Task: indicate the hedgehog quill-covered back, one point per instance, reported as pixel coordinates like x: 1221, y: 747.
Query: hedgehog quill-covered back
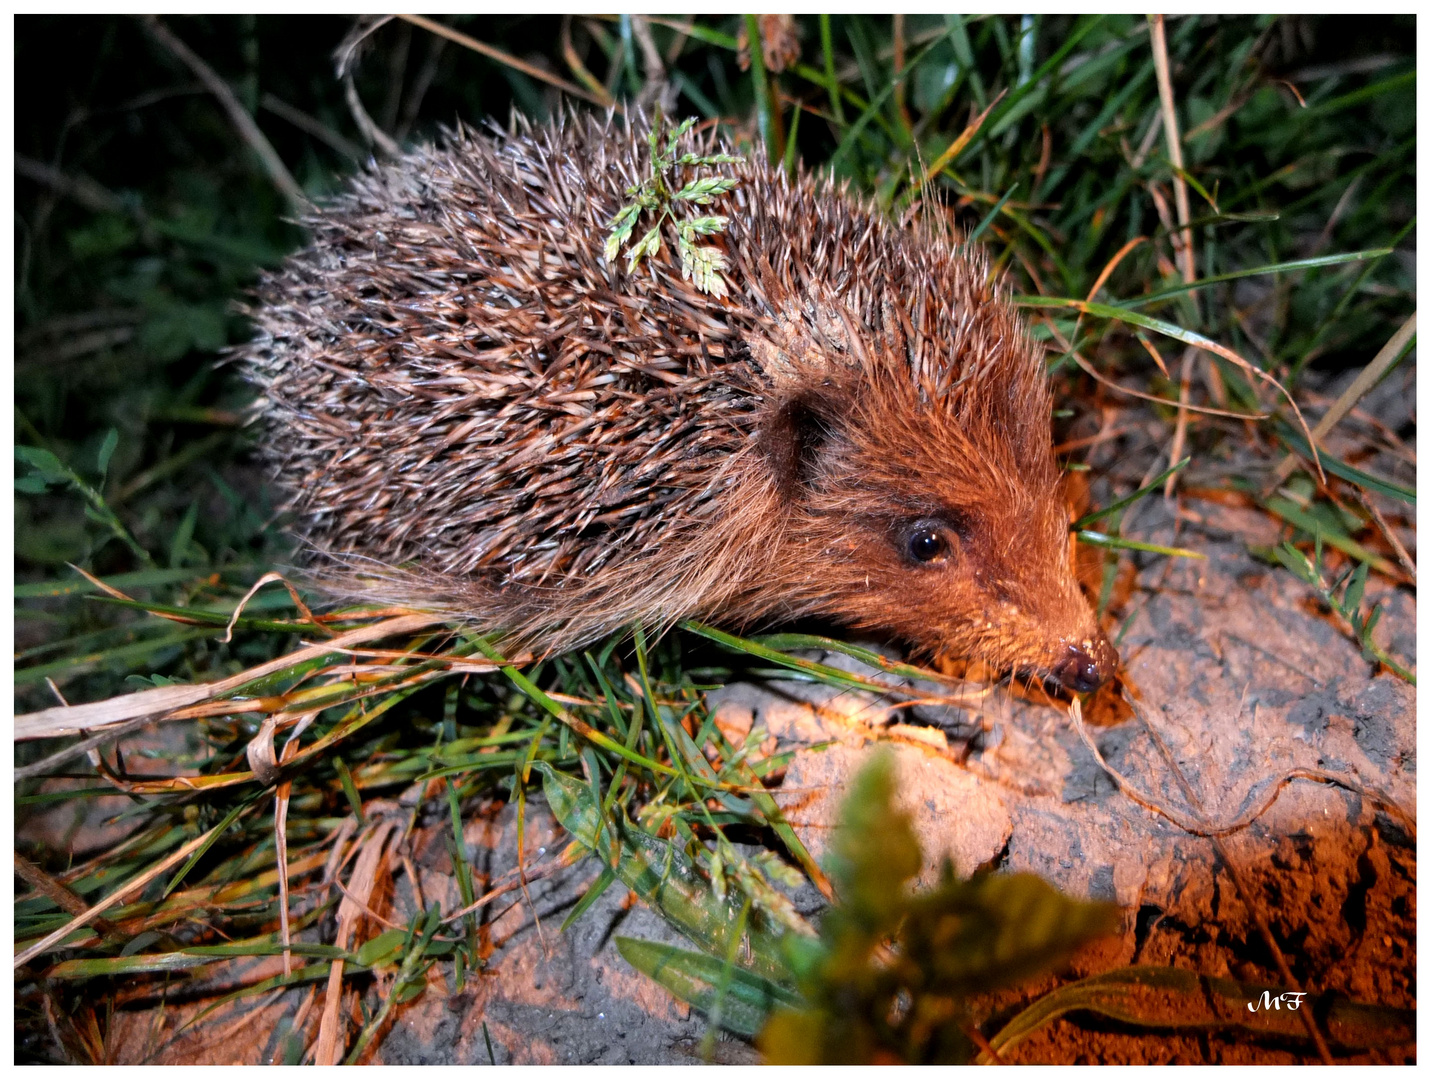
x: 475, y: 411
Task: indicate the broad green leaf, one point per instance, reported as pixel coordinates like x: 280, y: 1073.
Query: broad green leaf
x: 661, y: 874
x: 45, y: 463
x: 874, y: 851
x: 694, y: 978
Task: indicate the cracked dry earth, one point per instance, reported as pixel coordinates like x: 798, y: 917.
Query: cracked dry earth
x: 1239, y: 676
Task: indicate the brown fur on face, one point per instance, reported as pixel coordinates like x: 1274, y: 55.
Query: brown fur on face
x: 868, y: 463
x: 473, y: 410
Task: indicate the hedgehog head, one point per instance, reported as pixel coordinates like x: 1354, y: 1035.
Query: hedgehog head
x: 932, y: 508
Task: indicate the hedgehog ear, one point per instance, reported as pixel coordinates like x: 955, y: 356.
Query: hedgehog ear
x: 792, y: 436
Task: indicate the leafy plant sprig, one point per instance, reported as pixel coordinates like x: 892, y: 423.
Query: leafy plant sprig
x: 1350, y: 585
x: 661, y: 194
x: 47, y: 471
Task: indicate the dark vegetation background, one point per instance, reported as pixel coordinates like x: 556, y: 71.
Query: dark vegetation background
x: 142, y: 217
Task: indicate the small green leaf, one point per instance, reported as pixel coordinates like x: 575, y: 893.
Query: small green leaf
x: 1371, y: 621
x: 44, y: 462
x: 383, y: 949
x: 678, y: 132
x: 411, y: 990
x: 1295, y: 561
x: 350, y: 789
x: 1321, y: 530
x: 660, y: 873
x: 106, y: 451
x: 693, y: 228
x: 625, y: 216
x: 621, y: 226
x: 710, y: 159
x: 1352, y: 597
x: 34, y: 484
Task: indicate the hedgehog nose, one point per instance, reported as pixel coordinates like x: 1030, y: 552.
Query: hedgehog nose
x: 1086, y: 666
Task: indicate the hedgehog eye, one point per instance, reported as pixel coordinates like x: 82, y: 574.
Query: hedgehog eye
x: 927, y: 544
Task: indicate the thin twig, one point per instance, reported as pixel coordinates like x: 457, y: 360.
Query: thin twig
x: 420, y: 85
x: 312, y: 125
x: 132, y: 885
x: 243, y: 123
x: 1182, y: 238
x: 1174, y: 144
x: 83, y: 190
x: 504, y: 58
x: 375, y: 135
x: 1401, y: 554
x: 63, y: 897
x: 579, y: 69
x: 144, y: 705
x: 567, y: 858
x: 1369, y: 377
x: 350, y: 911
x: 1180, y: 429
x: 1206, y: 410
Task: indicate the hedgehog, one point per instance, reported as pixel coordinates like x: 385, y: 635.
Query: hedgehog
x: 474, y: 409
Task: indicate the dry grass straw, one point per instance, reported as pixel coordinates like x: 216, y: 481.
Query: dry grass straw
x: 374, y: 851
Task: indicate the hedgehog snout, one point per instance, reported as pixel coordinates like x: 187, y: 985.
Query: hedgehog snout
x: 1085, y: 665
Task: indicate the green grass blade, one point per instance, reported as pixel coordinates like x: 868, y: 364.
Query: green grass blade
x: 218, y: 832
x: 1288, y: 267
x: 1089, y: 519
x: 1098, y: 539
x: 1315, y: 527
x: 990, y: 216
x: 1347, y: 472
x: 139, y: 579
x: 592, y: 894
x: 876, y: 104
